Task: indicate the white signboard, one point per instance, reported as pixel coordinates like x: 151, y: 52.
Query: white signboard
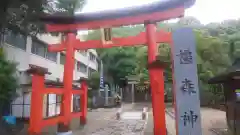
x: 186, y: 82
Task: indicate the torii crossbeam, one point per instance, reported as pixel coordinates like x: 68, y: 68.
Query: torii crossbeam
x: 140, y: 39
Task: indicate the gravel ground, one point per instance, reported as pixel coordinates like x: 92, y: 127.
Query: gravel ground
x: 103, y: 122
x: 122, y: 127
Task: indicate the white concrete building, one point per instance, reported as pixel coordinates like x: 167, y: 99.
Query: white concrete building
x: 27, y: 50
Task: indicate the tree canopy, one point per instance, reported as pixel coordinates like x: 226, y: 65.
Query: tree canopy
x: 22, y: 15
x: 8, y: 81
x: 217, y: 47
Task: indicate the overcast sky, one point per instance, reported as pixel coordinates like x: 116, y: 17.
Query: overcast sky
x: 205, y: 10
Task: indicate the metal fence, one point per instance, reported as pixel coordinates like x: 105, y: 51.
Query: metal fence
x: 51, y: 109
x: 100, y: 102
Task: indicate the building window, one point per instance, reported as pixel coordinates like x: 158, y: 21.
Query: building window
x: 92, y: 57
x: 62, y: 58
x: 90, y: 71
x: 58, y: 104
x: 52, y: 56
x: 58, y: 98
x: 83, y: 52
x: 81, y: 67
x: 39, y: 48
x: 16, y: 39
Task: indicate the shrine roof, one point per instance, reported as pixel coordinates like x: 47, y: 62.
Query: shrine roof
x: 228, y: 74
x: 34, y: 69
x: 159, y: 6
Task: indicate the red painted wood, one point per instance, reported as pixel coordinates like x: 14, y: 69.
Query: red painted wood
x: 140, y: 39
x: 157, y: 84
x: 76, y: 114
x: 79, y: 92
x: 53, y: 91
x: 150, y: 38
x: 51, y: 121
x: 36, y: 115
x: 83, y: 103
x: 56, y: 47
x: 68, y: 78
x: 38, y: 90
x: 139, y: 19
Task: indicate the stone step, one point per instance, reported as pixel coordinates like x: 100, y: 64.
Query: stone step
x: 131, y: 115
x: 170, y: 124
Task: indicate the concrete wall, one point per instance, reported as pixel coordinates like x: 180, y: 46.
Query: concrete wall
x: 25, y: 57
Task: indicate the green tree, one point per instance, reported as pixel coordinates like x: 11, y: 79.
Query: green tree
x: 8, y: 81
x: 70, y: 6
x: 141, y: 70
x: 23, y: 15
x: 118, y: 62
x: 217, y: 46
x: 94, y: 81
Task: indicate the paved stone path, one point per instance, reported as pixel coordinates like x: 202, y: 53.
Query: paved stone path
x: 170, y: 124
x: 122, y: 127
x: 103, y: 122
x: 131, y: 115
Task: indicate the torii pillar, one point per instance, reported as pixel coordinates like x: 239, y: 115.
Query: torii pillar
x: 157, y: 68
x: 64, y: 127
x: 157, y: 81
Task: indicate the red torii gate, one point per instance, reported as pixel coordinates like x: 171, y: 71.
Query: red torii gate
x: 37, y: 122
x: 156, y: 76
x: 69, y: 46
x: 148, y: 15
